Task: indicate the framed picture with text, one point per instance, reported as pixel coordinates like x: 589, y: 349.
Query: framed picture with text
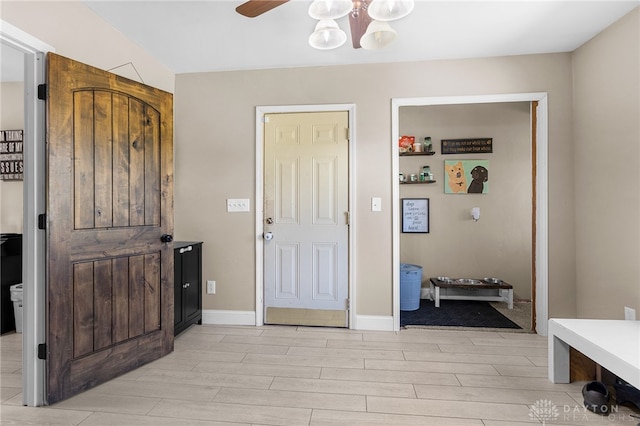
x: 11, y: 151
x: 415, y: 215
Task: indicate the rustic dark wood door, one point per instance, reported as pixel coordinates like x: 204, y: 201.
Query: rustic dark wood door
x: 109, y: 201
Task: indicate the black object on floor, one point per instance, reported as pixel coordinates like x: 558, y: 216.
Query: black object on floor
x: 625, y: 393
x: 596, y: 397
x: 456, y: 313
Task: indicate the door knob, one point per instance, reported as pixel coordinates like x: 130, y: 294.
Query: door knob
x: 166, y: 238
x: 268, y: 236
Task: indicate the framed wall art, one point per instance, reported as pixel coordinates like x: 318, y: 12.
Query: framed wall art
x: 466, y: 176
x: 415, y: 215
x: 11, y: 161
x: 467, y: 146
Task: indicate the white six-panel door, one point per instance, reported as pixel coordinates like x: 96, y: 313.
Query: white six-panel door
x: 306, y: 213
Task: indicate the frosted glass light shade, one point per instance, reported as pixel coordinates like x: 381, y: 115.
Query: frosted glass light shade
x: 389, y: 10
x: 330, y: 9
x: 327, y: 35
x: 379, y: 35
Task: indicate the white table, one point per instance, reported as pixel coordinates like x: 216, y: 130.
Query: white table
x: 613, y: 344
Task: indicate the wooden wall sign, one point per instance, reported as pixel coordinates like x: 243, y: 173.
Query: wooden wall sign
x: 467, y: 146
x: 11, y: 160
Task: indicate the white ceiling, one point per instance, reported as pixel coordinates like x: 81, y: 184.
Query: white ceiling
x: 205, y: 35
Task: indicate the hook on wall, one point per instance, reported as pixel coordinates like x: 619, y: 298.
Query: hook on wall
x: 475, y: 213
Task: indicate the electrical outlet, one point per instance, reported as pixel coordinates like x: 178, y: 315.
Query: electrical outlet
x: 211, y: 287
x: 238, y: 205
x: 629, y: 313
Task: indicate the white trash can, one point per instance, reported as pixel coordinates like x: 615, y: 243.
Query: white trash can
x: 16, y: 298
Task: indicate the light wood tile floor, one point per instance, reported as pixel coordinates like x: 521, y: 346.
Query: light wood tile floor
x: 236, y: 375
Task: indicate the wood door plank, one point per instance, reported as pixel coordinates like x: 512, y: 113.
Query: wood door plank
x: 103, y: 159
x: 94, y: 369
x: 102, y: 304
x: 120, y: 241
x: 60, y: 224
x: 152, y: 167
x: 136, y: 295
x: 83, y: 160
x: 152, y: 292
x: 83, y: 309
x: 136, y: 163
x: 120, y: 160
x: 120, y: 299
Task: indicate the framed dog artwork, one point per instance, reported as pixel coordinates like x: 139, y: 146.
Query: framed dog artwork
x: 466, y: 176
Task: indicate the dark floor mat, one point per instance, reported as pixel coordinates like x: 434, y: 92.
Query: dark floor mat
x: 456, y: 313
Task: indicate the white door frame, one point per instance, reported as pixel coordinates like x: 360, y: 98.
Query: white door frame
x: 260, y: 113
x: 542, y: 207
x: 33, y: 239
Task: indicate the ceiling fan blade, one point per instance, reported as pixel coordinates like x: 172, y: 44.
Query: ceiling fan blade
x: 253, y: 8
x: 358, y: 24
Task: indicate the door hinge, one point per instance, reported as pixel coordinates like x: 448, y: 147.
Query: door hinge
x: 347, y: 133
x: 42, y: 351
x: 348, y: 303
x: 348, y: 218
x: 42, y: 221
x: 42, y: 92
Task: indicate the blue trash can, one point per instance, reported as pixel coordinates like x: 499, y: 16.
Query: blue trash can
x: 410, y: 285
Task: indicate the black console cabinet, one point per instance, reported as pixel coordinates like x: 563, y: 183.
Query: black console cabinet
x: 188, y: 285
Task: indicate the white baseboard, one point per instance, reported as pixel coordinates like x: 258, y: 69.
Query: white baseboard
x: 374, y: 323
x: 218, y: 317
x: 214, y: 316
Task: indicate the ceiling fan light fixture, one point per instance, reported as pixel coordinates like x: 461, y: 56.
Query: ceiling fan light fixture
x: 327, y: 35
x: 379, y: 35
x: 390, y: 10
x: 330, y: 9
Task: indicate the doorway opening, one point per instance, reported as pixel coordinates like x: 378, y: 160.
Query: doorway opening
x: 538, y: 244
x: 266, y: 219
x: 33, y: 204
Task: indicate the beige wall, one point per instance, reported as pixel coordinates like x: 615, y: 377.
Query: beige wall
x: 607, y: 170
x: 76, y: 32
x: 215, y: 151
x: 499, y: 244
x: 215, y: 156
x: 11, y: 118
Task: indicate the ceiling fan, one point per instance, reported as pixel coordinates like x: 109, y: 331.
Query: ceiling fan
x: 358, y: 17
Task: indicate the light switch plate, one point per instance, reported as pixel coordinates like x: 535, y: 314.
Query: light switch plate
x: 238, y: 205
x: 376, y: 204
x: 629, y: 313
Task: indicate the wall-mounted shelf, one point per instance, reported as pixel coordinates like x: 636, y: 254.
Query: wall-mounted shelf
x: 409, y: 154
x: 411, y: 183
